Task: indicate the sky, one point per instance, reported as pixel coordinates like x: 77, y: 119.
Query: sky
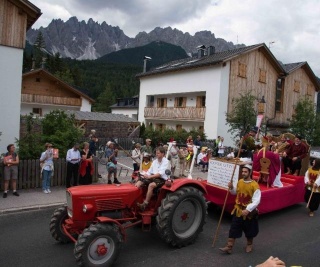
x: 291, y: 28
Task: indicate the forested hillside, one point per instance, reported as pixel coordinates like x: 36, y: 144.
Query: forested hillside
x: 104, y: 79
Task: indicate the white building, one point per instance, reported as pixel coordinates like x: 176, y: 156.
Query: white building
x: 198, y: 92
x: 16, y: 17
x: 127, y: 106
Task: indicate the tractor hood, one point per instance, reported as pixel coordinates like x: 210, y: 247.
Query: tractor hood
x: 102, y: 190
x: 102, y: 197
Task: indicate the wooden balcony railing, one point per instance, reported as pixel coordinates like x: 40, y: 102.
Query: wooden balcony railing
x: 53, y: 100
x: 188, y: 113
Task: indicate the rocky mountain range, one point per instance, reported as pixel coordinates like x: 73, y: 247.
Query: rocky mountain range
x: 91, y: 40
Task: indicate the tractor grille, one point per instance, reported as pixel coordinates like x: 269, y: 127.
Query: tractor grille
x: 109, y: 204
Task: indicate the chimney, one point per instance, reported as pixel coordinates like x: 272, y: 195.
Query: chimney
x: 201, y: 49
x: 145, y: 59
x: 211, y: 50
x: 33, y: 64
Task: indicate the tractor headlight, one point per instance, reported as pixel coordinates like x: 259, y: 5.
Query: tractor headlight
x: 69, y: 204
x: 86, y: 208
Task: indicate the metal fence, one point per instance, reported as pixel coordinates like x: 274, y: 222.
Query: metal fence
x: 29, y: 175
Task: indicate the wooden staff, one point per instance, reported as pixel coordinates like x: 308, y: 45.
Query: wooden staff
x: 225, y: 200
x: 310, y: 198
x: 125, y: 151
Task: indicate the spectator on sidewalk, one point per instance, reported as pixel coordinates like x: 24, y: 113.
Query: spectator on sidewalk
x: 183, y: 153
x: 86, y: 150
x: 73, y: 159
x: 147, y: 147
x: 198, y: 142
x: 46, y: 164
x: 135, y: 155
x: 11, y: 162
x: 174, y: 157
x: 221, y: 148
x: 93, y: 145
x: 86, y: 169
x: 111, y: 154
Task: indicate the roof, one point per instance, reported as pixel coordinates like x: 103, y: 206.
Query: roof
x: 32, y: 11
x: 216, y: 58
x: 291, y: 67
x: 99, y: 116
x: 71, y: 88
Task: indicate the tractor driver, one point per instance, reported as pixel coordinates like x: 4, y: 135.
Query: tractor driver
x: 155, y: 176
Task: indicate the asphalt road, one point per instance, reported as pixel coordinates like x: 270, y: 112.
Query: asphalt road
x: 290, y: 234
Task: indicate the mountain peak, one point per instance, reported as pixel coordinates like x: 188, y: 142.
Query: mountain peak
x: 91, y: 40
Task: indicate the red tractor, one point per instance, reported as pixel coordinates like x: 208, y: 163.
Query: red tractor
x: 96, y: 217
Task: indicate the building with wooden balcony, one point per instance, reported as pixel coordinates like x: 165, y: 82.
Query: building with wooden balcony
x: 42, y: 92
x: 197, y: 92
x: 16, y: 17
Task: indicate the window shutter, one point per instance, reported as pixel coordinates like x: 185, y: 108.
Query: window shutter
x: 164, y: 102
x: 199, y: 100
x: 184, y: 102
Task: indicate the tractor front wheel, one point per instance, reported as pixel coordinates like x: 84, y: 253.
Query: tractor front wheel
x: 181, y: 216
x: 57, y: 220
x: 98, y: 245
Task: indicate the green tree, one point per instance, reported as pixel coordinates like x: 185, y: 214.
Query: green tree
x: 242, y: 116
x: 30, y: 145
x: 306, y: 122
x: 56, y: 127
x: 65, y: 75
x: 38, y: 47
x: 60, y: 129
x: 105, y: 100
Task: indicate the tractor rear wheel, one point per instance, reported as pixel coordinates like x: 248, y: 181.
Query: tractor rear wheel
x: 98, y: 245
x: 181, y: 216
x: 57, y: 220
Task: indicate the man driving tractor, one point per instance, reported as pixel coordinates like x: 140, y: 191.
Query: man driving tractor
x: 155, y: 176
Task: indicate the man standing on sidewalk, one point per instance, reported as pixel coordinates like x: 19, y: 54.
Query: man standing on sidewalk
x: 73, y: 160
x: 245, y: 214
x: 11, y: 162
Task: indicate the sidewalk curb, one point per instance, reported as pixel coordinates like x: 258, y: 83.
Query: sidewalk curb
x: 32, y: 208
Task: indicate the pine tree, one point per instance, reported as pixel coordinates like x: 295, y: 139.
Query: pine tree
x: 306, y: 122
x: 105, y: 100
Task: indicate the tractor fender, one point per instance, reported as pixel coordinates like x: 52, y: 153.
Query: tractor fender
x: 112, y: 221
x: 178, y: 183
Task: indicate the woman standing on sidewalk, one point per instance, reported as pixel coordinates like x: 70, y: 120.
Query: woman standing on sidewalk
x: 46, y: 163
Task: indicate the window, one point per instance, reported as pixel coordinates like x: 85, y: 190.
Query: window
x: 279, y: 95
x: 180, y: 102
x: 201, y: 129
x: 178, y: 127
x: 160, y: 126
x: 309, y: 89
x: 242, y: 70
x: 201, y: 101
x: 161, y: 102
x: 263, y: 76
x: 37, y: 111
x: 296, y: 86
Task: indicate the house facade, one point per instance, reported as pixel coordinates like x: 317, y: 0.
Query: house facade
x: 42, y: 92
x: 16, y: 17
x: 127, y: 106
x: 198, y: 92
